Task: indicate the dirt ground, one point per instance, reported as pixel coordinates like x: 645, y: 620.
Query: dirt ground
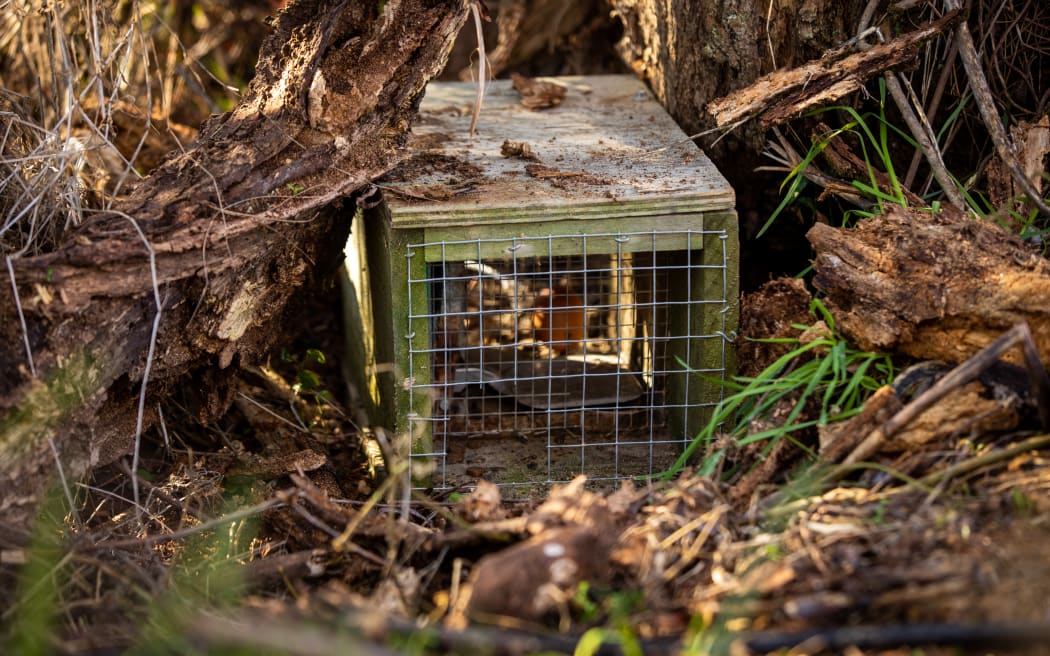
x: 270, y: 521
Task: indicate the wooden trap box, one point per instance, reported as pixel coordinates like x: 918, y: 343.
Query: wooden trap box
x: 550, y: 297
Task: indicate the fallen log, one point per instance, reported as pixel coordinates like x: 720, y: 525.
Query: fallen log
x: 192, y: 272
x: 932, y: 286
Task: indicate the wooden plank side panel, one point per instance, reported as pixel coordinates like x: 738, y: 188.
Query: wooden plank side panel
x: 410, y: 301
x: 380, y: 261
x: 358, y: 321
x: 712, y: 325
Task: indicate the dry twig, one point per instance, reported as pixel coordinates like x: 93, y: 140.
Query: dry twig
x: 916, y: 120
x: 964, y: 373
x: 983, y: 96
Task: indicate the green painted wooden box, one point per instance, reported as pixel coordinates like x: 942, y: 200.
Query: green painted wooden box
x: 547, y: 297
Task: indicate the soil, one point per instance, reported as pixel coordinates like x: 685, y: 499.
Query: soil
x: 759, y: 569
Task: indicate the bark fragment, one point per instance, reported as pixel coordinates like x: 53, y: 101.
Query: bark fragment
x: 786, y: 93
x: 937, y: 287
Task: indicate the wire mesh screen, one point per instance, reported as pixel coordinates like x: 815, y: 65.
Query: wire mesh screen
x: 547, y: 357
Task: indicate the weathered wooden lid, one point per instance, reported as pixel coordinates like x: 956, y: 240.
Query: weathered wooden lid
x: 607, y: 150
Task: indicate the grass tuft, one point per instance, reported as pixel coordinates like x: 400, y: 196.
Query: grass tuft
x: 821, y: 371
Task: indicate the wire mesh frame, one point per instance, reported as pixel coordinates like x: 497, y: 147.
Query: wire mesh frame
x: 528, y: 352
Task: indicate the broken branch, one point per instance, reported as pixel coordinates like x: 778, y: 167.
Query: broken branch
x: 781, y: 95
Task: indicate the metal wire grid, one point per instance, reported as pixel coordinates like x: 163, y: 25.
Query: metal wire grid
x: 556, y: 365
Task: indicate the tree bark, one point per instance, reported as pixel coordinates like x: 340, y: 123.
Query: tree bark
x: 935, y: 287
x: 787, y: 93
x: 694, y: 51
x: 235, y: 228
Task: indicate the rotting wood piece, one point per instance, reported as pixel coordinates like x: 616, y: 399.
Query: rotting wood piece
x: 783, y: 94
x: 877, y: 429
x: 573, y: 533
x: 235, y: 231
x: 969, y: 409
x: 935, y: 287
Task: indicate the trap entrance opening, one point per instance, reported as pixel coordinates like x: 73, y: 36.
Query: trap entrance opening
x: 544, y: 364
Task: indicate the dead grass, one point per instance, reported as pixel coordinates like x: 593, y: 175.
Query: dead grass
x: 95, y: 94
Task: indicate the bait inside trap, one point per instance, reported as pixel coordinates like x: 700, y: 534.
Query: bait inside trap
x: 564, y: 305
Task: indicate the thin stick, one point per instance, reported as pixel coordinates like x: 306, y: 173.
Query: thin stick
x: 235, y: 516
x: 21, y: 317
x: 342, y: 541
x: 163, y: 428
x: 149, y: 359
x: 482, y: 68
x: 971, y: 464
x: 769, y: 37
x: 935, y: 103
x: 272, y: 413
x: 916, y: 120
x: 62, y: 477
x: 982, y: 95
x: 919, y: 125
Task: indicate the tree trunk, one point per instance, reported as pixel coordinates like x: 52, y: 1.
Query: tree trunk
x: 521, y: 32
x: 221, y: 236
x: 694, y: 51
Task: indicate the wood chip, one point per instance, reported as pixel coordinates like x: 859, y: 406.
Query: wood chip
x: 537, y: 94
